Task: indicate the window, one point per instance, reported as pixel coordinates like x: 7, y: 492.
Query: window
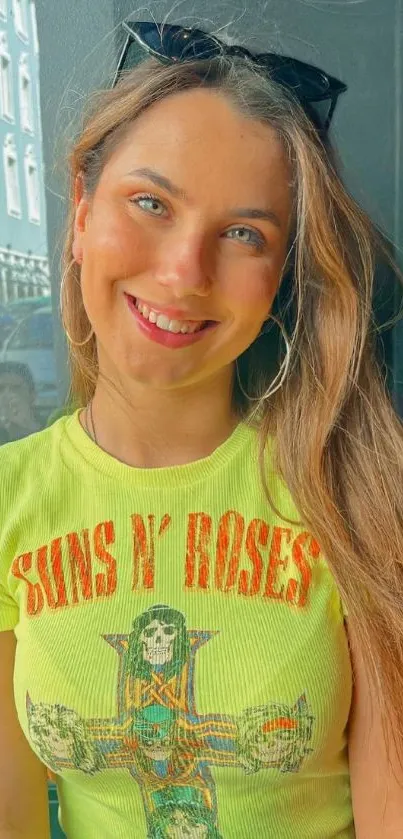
x: 6, y: 82
x: 26, y: 110
x: 34, y: 26
x: 34, y: 332
x: 32, y: 185
x: 11, y: 177
x: 3, y: 9
x: 20, y: 18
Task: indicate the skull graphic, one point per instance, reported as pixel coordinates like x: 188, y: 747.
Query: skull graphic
x: 157, y: 639
x: 154, y: 729
x: 181, y: 827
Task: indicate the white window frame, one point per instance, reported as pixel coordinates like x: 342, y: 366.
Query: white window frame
x: 25, y: 91
x: 3, y: 9
x: 32, y: 185
x: 21, y: 18
x: 6, y: 80
x: 34, y: 26
x: 12, y: 181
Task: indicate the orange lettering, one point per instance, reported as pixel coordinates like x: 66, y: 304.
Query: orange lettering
x: 275, y: 562
x: 80, y: 565
x: 165, y: 522
x: 35, y: 599
x: 229, y: 542
x: 258, y: 531
x: 198, y: 543
x: 104, y: 534
x: 143, y: 551
x: 304, y: 568
x: 57, y: 574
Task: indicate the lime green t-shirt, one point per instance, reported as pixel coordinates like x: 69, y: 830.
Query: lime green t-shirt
x: 182, y: 663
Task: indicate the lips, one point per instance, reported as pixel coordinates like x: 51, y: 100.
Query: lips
x: 165, y: 322
x: 172, y: 331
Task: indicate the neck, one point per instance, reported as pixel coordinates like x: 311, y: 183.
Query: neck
x: 151, y: 429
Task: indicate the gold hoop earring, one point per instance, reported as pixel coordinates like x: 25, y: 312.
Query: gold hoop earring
x: 69, y: 338
x: 62, y: 282
x: 279, y: 380
x: 77, y: 343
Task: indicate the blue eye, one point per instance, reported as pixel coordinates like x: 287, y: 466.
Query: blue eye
x: 150, y: 204
x: 246, y: 236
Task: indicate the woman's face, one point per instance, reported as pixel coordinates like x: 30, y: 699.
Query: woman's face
x: 189, y: 222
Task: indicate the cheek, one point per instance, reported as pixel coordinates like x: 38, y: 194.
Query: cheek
x: 115, y: 249
x: 252, y: 293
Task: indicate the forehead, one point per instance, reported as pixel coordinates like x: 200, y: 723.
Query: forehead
x: 200, y: 136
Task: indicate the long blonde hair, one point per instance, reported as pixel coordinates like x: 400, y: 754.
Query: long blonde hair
x: 338, y: 439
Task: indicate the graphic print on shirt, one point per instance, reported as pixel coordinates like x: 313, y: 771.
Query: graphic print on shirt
x: 158, y: 735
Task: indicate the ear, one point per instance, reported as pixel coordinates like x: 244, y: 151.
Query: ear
x: 80, y: 220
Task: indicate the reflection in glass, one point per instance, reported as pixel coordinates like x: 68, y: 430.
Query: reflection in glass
x: 26, y: 114
x: 11, y: 177
x: 20, y: 17
x: 6, y: 82
x: 27, y: 366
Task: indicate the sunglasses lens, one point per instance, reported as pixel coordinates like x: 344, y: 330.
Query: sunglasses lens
x: 305, y: 81
x: 176, y: 43
x: 321, y: 111
x: 134, y: 55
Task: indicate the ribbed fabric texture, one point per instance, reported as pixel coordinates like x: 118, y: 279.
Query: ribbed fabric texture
x: 182, y: 664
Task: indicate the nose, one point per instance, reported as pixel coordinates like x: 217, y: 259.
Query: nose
x: 182, y: 267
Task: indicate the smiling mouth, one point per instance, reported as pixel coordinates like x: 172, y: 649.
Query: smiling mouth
x: 167, y: 324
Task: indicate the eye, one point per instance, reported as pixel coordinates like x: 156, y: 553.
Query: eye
x: 246, y: 236
x: 150, y: 204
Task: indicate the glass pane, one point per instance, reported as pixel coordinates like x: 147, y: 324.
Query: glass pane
x: 28, y: 378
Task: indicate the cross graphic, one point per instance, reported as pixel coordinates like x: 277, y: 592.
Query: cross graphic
x: 159, y: 737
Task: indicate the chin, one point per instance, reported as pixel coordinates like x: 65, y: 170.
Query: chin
x: 155, y: 376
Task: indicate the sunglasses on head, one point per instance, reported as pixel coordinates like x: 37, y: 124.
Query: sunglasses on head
x: 316, y: 91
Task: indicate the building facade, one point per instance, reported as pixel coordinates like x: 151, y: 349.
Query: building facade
x: 24, y: 268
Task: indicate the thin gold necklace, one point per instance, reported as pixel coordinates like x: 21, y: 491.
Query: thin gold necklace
x: 89, y: 411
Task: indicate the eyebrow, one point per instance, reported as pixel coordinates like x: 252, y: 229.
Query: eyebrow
x: 165, y: 183
x: 160, y: 180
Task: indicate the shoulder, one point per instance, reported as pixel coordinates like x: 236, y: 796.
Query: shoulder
x: 28, y: 460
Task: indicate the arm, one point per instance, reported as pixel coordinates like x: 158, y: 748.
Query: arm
x: 376, y: 780
x: 23, y: 782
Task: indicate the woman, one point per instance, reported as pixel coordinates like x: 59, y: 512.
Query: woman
x: 228, y: 636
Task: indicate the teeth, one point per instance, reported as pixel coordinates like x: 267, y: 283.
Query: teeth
x: 163, y: 322
x: 174, y: 326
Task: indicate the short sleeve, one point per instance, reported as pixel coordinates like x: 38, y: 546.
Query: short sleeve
x: 9, y: 612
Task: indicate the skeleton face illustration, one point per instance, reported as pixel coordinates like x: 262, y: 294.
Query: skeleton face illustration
x: 154, y: 728
x: 52, y: 731
x: 182, y: 827
x: 59, y: 745
x: 267, y: 752
x: 157, y: 639
x: 62, y: 745
x: 157, y: 749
